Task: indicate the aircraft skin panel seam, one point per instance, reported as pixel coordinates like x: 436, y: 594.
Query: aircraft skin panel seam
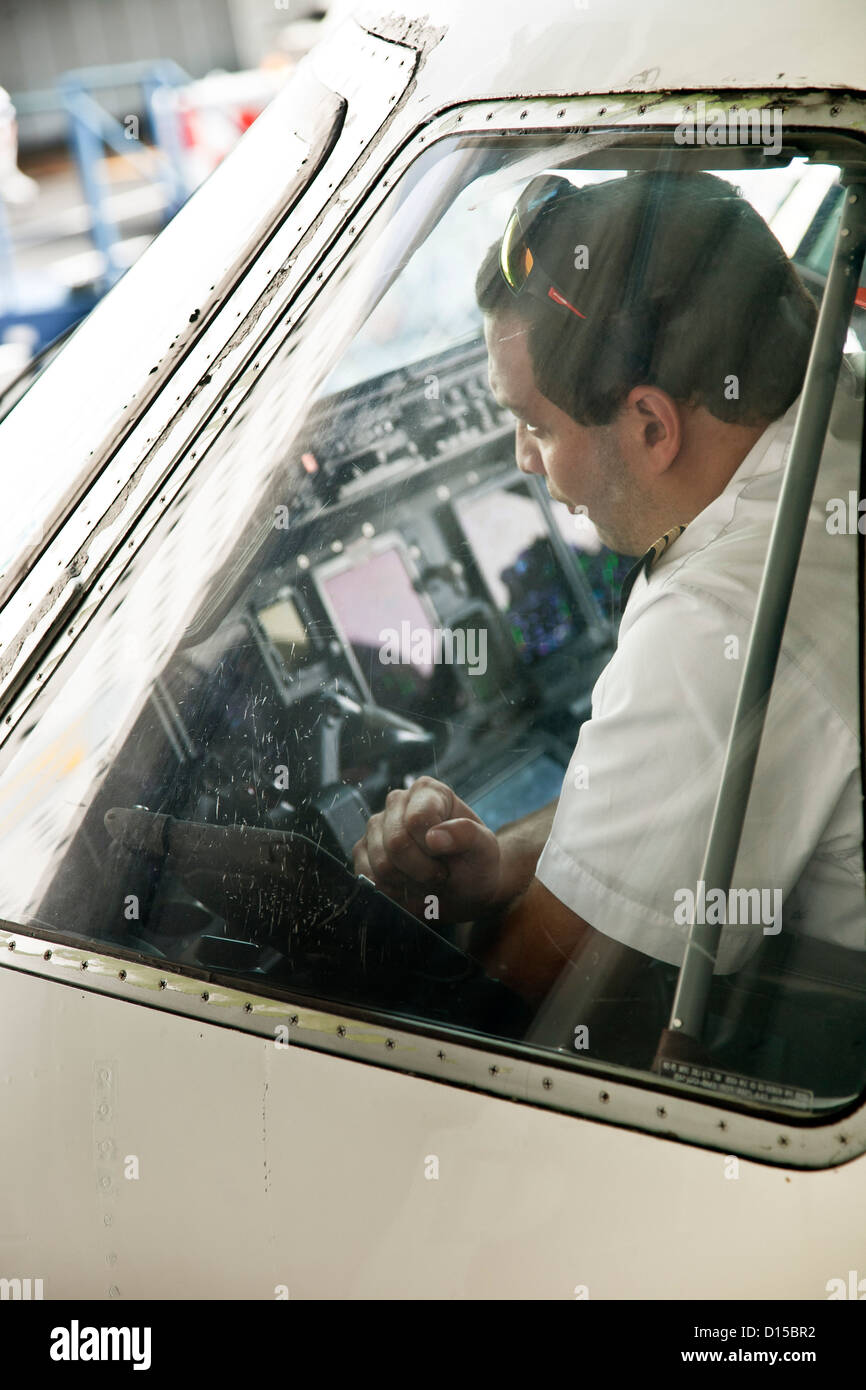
x: 763, y: 1141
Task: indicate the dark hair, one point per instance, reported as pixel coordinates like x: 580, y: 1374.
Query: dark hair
x: 685, y: 287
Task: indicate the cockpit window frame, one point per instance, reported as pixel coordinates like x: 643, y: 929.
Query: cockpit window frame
x: 514, y: 1072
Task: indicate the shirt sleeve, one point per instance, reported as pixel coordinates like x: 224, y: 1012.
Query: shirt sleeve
x: 630, y: 831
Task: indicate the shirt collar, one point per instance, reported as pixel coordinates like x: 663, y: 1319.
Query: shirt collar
x: 647, y: 560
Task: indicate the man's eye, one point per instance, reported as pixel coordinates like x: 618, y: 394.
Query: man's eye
x: 529, y: 428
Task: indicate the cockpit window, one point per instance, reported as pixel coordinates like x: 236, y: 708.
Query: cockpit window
x: 417, y: 697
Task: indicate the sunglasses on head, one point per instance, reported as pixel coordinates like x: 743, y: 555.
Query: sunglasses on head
x: 520, y: 268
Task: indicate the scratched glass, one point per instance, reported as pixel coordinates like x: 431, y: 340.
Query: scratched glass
x: 358, y: 588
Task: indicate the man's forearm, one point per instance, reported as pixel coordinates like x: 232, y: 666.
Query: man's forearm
x: 521, y: 843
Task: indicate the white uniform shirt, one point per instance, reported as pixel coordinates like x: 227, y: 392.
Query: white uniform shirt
x: 633, y: 819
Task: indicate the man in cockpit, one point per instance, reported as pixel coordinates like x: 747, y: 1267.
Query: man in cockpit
x: 651, y: 337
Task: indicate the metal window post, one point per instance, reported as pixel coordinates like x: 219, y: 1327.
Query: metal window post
x: 783, y: 554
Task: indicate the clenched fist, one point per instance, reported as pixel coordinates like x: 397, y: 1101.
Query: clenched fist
x: 427, y: 841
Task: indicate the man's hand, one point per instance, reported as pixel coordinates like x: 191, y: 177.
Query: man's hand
x: 427, y: 841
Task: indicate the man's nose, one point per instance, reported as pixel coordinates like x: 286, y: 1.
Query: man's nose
x: 526, y: 451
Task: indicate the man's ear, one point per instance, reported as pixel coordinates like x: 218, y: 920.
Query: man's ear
x: 654, y: 425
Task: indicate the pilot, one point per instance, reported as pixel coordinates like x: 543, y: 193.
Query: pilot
x: 650, y: 337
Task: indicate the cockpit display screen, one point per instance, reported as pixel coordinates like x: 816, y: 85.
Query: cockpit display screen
x: 604, y: 570
x: 520, y: 569
x: 378, y: 612
x: 286, y: 630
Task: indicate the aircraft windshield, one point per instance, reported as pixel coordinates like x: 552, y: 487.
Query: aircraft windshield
x: 407, y: 564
